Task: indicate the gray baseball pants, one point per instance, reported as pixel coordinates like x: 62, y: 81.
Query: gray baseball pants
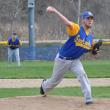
x: 14, y: 52
x: 60, y: 67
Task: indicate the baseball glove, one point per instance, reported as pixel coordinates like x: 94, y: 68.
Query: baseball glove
x: 96, y: 47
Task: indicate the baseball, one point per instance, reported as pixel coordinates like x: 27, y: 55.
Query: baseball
x: 49, y: 8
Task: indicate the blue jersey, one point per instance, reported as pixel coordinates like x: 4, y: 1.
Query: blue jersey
x: 79, y: 42
x: 13, y: 44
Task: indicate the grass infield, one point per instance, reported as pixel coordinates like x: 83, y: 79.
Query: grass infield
x: 98, y: 92
x: 43, y: 69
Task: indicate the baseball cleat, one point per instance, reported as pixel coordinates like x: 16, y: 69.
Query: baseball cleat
x: 42, y: 91
x: 89, y: 103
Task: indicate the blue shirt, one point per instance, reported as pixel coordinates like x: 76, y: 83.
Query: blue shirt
x: 13, y: 44
x: 77, y: 44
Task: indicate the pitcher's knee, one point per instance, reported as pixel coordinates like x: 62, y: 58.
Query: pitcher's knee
x: 80, y: 77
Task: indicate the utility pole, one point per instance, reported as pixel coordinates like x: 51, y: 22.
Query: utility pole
x: 14, y: 17
x: 79, y: 10
x: 31, y: 19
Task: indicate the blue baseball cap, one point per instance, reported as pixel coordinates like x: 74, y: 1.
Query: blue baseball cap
x: 86, y: 14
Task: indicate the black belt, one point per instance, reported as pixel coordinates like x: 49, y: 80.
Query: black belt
x: 66, y: 58
x: 13, y: 48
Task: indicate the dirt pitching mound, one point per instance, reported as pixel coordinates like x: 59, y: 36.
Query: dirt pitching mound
x: 52, y: 103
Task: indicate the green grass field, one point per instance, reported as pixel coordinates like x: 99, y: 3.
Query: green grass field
x: 99, y: 92
x: 43, y: 69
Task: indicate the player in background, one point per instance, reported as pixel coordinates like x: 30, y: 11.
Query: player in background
x: 80, y: 41
x: 13, y: 48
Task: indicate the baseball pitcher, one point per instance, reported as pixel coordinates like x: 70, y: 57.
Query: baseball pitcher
x: 80, y: 41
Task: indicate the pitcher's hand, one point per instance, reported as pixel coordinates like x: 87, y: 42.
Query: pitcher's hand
x: 51, y: 9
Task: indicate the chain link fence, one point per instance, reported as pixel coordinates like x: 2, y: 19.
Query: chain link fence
x: 14, y: 16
